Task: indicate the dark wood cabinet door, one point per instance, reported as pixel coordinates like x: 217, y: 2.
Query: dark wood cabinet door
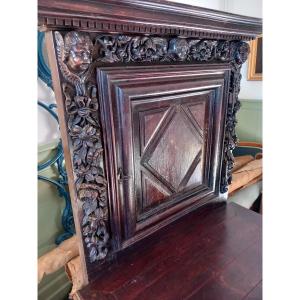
x: 164, y: 127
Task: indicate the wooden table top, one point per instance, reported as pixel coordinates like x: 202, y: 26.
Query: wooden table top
x: 213, y: 253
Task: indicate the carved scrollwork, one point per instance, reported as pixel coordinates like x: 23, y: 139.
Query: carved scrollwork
x: 78, y: 54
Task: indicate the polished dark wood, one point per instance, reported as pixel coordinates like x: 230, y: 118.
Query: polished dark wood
x: 147, y: 95
x: 158, y: 17
x: 167, y: 142
x: 213, y: 253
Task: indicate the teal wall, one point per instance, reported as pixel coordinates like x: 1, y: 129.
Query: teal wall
x: 55, y: 286
x: 249, y: 127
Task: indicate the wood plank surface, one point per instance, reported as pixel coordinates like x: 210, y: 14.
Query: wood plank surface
x: 212, y: 253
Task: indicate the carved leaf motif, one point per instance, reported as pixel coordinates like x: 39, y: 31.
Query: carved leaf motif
x: 122, y: 48
x: 77, y: 144
x: 89, y: 177
x: 93, y: 254
x: 193, y: 42
x: 85, y: 221
x: 89, y: 206
x: 100, y: 180
x: 82, y: 153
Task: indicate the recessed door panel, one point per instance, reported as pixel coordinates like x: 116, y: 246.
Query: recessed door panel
x: 172, y: 160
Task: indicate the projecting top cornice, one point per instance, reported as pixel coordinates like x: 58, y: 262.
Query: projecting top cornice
x: 159, y: 17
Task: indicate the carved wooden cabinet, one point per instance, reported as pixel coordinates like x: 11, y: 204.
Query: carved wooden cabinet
x: 147, y: 94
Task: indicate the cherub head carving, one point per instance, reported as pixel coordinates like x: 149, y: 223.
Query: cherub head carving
x: 78, y: 51
x: 179, y: 48
x: 242, y: 52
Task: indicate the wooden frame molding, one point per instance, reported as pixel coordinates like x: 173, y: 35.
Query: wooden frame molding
x: 252, y: 75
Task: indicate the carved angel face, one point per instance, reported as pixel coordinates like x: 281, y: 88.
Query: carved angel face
x: 242, y: 53
x: 179, y: 48
x: 78, y: 47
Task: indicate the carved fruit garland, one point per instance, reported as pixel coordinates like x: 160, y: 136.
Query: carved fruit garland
x: 81, y: 106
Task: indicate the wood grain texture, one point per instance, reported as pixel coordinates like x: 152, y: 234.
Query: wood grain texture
x: 213, y: 253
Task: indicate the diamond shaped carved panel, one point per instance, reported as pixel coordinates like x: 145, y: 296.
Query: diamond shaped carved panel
x: 176, y: 153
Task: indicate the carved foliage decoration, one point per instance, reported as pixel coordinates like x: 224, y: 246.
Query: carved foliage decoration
x: 230, y: 140
x: 78, y: 54
x: 122, y: 48
x: 74, y: 54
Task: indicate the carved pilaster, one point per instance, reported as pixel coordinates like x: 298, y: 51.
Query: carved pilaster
x: 74, y: 53
x: 241, y: 52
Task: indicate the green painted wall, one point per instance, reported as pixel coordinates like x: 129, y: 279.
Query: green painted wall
x: 249, y: 127
x: 55, y: 286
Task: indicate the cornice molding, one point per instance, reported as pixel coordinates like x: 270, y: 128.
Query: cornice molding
x: 145, y: 17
